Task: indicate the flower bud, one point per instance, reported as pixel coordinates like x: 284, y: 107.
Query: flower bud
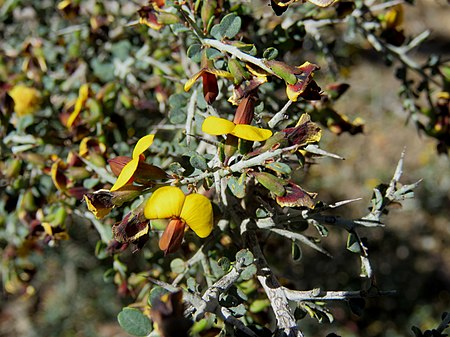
x: 245, y: 110
x: 172, y: 236
x: 210, y: 87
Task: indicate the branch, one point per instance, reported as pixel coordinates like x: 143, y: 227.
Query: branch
x: 239, y: 166
x: 223, y: 47
x: 190, y: 115
x: 319, y: 295
x: 280, y: 115
x: 286, y: 322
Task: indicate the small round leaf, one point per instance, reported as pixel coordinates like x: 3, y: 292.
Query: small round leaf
x: 134, y: 322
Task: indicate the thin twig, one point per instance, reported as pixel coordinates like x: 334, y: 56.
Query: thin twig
x: 237, y: 53
x: 319, y: 295
x: 190, y: 115
x: 286, y: 322
x: 280, y: 115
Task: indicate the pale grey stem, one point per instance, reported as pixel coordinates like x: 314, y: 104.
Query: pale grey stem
x: 397, y: 175
x: 226, y: 315
x: 238, y: 167
x: 223, y: 47
x: 223, y: 284
x: 320, y: 295
x: 190, y: 115
x: 286, y: 322
x: 280, y: 115
x: 300, y: 238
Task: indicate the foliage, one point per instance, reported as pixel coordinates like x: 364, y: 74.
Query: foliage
x: 104, y: 109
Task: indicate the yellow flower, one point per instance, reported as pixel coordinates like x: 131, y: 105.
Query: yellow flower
x: 128, y: 170
x: 26, y: 100
x: 209, y: 78
x: 220, y: 126
x: 83, y: 95
x: 193, y: 210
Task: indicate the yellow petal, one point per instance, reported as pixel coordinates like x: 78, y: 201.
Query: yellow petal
x: 126, y: 174
x: 190, y: 82
x: 165, y: 202
x: 84, y: 150
x: 142, y: 145
x: 83, y: 95
x: 99, y: 212
x: 221, y: 73
x: 291, y: 93
x: 217, y: 126
x: 198, y: 214
x: 26, y: 100
x: 249, y: 132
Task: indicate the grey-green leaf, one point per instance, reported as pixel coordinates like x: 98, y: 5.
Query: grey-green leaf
x: 194, y: 52
x: 270, y: 53
x: 198, y: 162
x: 230, y: 25
x: 134, y: 322
x: 237, y: 186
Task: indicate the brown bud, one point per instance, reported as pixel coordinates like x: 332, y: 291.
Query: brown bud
x: 172, y: 236
x: 210, y: 87
x: 245, y: 110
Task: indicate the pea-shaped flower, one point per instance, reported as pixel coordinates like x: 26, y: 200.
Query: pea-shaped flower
x: 219, y: 126
x: 135, y: 167
x: 193, y: 211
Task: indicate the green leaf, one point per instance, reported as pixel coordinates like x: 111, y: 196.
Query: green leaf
x: 246, y: 256
x: 198, y: 161
x: 108, y: 275
x: 216, y: 32
x: 230, y: 25
x: 270, y: 53
x: 248, y: 272
x: 239, y: 310
x: 323, y: 231
x: 194, y: 52
x: 213, y: 53
x: 177, y: 266
x: 296, y: 252
x: 177, y: 101
x: 155, y: 294
x: 134, y: 322
x: 216, y: 269
x: 237, y: 186
x: 259, y: 305
x: 280, y: 168
x: 121, y: 49
x: 353, y: 244
x: 272, y: 183
x: 177, y: 116
x: 238, y: 71
x: 224, y: 263
x: 191, y: 284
